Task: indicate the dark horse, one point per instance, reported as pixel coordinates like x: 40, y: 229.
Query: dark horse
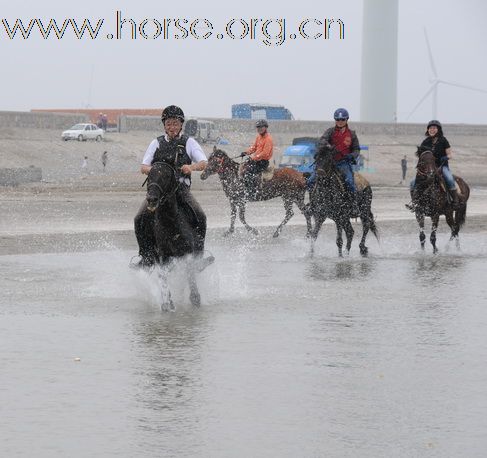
x: 329, y: 198
x: 286, y: 183
x: 433, y: 200
x: 174, y: 229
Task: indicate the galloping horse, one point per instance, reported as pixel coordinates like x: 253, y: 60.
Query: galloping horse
x: 433, y: 200
x: 286, y: 183
x: 174, y: 229
x: 329, y: 199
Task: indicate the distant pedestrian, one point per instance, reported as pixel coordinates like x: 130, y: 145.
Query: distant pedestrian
x: 99, y: 121
x: 84, y: 165
x: 104, y: 159
x: 104, y: 121
x: 404, y: 168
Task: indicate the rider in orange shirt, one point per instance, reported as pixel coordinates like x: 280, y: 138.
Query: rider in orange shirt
x: 259, y: 155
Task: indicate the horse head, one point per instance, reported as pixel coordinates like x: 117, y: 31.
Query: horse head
x: 217, y: 163
x: 161, y: 184
x: 426, y: 167
x: 324, y: 160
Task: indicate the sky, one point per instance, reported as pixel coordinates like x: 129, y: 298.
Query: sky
x: 205, y: 77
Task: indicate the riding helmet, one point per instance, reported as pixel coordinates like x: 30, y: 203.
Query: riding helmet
x: 261, y: 123
x: 341, y: 114
x: 436, y: 123
x: 172, y: 111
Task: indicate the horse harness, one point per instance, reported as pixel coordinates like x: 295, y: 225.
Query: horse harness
x: 163, y: 196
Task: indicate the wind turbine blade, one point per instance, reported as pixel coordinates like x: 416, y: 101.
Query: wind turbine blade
x: 430, y: 90
x: 448, y: 83
x: 430, y: 54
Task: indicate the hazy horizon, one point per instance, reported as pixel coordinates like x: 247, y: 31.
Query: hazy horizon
x: 311, y: 77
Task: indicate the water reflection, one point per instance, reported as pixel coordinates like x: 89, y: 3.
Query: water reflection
x: 168, y: 357
x: 348, y: 269
x: 436, y: 270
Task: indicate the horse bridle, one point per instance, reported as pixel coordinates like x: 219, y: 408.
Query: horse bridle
x: 163, y: 196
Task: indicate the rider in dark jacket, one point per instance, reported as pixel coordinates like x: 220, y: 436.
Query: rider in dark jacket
x: 186, y: 156
x: 437, y: 143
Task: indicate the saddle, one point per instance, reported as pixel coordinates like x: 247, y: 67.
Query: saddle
x: 268, y: 173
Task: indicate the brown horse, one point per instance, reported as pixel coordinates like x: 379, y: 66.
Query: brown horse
x: 433, y: 200
x: 286, y: 183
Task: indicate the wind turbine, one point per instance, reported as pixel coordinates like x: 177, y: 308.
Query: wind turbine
x: 435, y: 82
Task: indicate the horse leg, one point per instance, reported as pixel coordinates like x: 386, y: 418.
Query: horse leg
x: 339, y: 239
x: 241, y: 214
x: 434, y: 227
x: 288, y: 206
x: 364, y: 251
x: 347, y: 225
x: 454, y: 226
x: 319, y: 220
x: 194, y: 294
x: 302, y: 207
x: 166, y: 301
x: 422, y: 237
x: 233, y: 216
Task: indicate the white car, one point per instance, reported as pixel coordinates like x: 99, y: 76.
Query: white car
x: 82, y: 132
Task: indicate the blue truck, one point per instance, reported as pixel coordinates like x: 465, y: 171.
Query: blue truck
x: 300, y: 155
x: 260, y: 111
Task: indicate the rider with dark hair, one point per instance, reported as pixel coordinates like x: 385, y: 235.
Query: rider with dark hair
x: 186, y: 156
x: 259, y: 155
x: 346, y: 148
x: 437, y: 143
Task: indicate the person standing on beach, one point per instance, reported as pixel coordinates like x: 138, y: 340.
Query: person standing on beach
x: 404, y: 168
x: 104, y: 159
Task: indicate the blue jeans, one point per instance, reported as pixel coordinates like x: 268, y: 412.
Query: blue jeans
x: 345, y: 168
x: 447, y: 175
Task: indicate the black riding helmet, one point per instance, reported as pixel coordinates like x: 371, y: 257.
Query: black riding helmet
x: 261, y: 123
x: 436, y: 123
x: 172, y: 111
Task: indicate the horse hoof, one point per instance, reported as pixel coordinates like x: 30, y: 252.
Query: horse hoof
x: 168, y: 306
x: 275, y: 235
x: 364, y: 251
x: 195, y: 299
x: 227, y: 233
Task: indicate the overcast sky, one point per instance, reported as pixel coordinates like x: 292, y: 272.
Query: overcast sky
x: 205, y: 77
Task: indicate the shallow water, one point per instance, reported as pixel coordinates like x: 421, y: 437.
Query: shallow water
x: 289, y: 355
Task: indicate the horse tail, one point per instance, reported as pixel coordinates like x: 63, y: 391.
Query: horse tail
x: 461, y: 215
x: 373, y: 226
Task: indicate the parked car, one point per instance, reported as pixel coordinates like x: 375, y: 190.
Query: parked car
x: 83, y: 132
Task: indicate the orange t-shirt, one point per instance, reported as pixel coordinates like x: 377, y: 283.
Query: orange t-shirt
x: 262, y: 147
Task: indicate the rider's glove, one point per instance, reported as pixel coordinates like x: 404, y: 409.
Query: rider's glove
x: 243, y: 154
x: 444, y: 160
